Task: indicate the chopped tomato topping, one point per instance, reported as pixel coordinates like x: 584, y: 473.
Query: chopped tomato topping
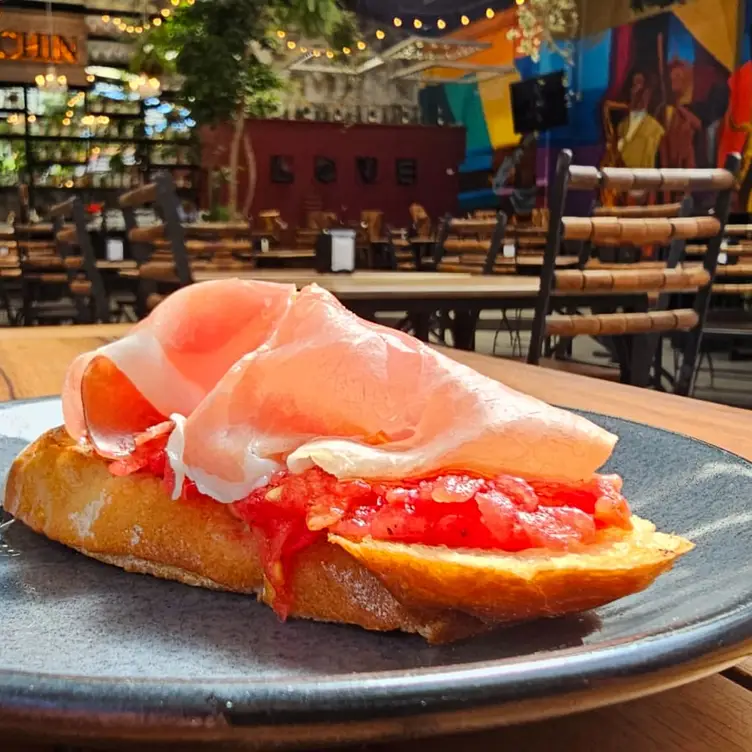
x: 455, y: 510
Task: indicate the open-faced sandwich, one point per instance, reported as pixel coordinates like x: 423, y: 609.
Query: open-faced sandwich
x: 249, y: 438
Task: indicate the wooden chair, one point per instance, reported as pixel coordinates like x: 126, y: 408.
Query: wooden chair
x: 472, y: 246
x: 629, y: 289
x: 167, y: 251
x: 161, y: 270
x: 630, y: 253
x: 420, y: 222
x: 74, y: 248
x: 44, y: 280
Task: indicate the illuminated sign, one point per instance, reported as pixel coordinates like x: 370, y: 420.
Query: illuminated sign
x: 28, y: 44
x: 47, y: 48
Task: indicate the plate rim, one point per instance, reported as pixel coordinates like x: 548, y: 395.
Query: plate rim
x: 245, y: 706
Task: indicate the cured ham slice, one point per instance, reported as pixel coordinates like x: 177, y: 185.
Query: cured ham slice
x: 258, y: 379
x: 363, y: 401
x: 169, y: 362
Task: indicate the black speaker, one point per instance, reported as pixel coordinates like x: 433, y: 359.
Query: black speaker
x: 539, y: 104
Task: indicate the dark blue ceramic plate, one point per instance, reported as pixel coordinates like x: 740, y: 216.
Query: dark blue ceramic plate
x: 88, y: 649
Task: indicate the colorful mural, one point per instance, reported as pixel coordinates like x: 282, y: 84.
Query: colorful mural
x: 669, y: 89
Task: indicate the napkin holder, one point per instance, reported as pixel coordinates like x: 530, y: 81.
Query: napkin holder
x: 335, y: 251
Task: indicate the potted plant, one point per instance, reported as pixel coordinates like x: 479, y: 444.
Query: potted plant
x: 227, y: 76
x: 117, y: 168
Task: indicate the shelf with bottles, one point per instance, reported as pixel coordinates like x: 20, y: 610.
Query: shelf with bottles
x: 99, y: 104
x: 12, y: 99
x: 168, y: 153
x: 184, y: 177
x: 59, y: 152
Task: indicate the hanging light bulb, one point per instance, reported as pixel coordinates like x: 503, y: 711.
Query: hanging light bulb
x: 398, y: 22
x: 490, y: 13
x: 441, y: 24
x: 51, y: 81
x: 417, y: 23
x: 464, y: 20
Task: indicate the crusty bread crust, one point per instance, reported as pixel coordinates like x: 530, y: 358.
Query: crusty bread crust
x: 65, y: 491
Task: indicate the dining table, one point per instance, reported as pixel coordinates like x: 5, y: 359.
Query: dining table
x: 710, y: 713
x: 421, y: 294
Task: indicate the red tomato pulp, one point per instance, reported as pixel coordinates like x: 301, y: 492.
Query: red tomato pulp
x: 505, y: 514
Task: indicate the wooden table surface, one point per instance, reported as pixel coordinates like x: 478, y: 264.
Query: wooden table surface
x: 708, y: 715
x: 388, y: 285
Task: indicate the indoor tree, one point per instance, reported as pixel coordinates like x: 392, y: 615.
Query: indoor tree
x: 222, y: 51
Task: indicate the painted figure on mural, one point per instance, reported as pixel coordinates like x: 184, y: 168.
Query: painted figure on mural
x: 679, y: 122
x: 635, y: 140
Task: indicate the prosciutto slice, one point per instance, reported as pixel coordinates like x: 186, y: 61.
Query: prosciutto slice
x: 258, y: 379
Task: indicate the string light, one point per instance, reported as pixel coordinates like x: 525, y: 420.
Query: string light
x: 398, y: 22
x: 317, y: 53
x: 130, y: 29
x: 66, y: 121
x: 175, y: 2
x: 520, y: 2
x: 139, y: 29
x: 361, y: 45
x: 303, y: 50
x: 464, y: 20
x: 346, y: 50
x: 490, y: 13
x: 330, y: 54
x: 380, y: 34
x: 291, y: 45
x: 116, y: 21
x: 281, y: 33
x: 69, y: 184
x: 91, y: 78
x: 69, y: 114
x: 417, y: 23
x: 441, y: 23
x: 32, y: 118
x: 157, y: 21
x: 165, y: 12
x: 105, y: 18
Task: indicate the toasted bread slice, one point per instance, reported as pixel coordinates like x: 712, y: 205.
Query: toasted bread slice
x: 66, y: 492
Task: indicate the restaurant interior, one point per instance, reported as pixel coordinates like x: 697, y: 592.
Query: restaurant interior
x: 459, y: 158
x: 555, y: 193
